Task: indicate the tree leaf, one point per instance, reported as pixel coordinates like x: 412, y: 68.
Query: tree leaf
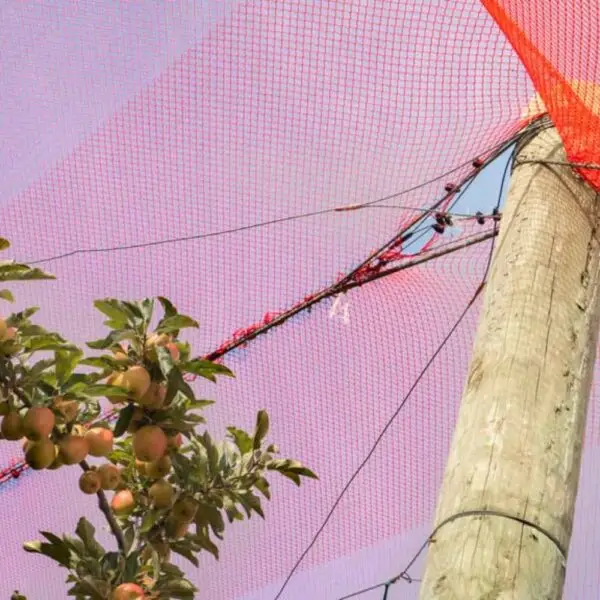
x: 35, y: 546
x: 7, y: 295
x: 52, y: 538
x: 21, y: 318
x: 12, y: 271
x: 174, y: 323
x: 4, y: 244
x: 208, y: 513
x: 178, y: 384
x: 231, y: 510
x: 149, y: 520
x: 116, y: 311
x: 135, y: 309
x: 168, y: 307
x: 88, y: 586
x: 146, y: 308
x: 101, y: 362
x: 205, y: 542
x: 183, y: 549
x: 86, y: 531
x: 253, y: 502
x: 57, y: 552
x: 66, y: 363
x: 261, y: 429
x: 38, y: 368
x: 212, y: 451
x: 242, y: 440
x: 48, y: 341
x: 182, y: 589
x: 124, y: 420
x: 103, y: 389
x: 131, y: 567
x: 295, y: 478
x: 192, y: 403
x: 111, y: 561
x: 206, y: 369
x: 129, y: 535
x: 262, y: 485
x: 112, y: 338
x: 165, y: 361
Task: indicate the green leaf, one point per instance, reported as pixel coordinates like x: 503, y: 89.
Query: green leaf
x: 86, y: 531
x: 212, y: 451
x: 181, y: 589
x: 261, y: 429
x: 116, y: 311
x: 7, y: 295
x: 206, y: 369
x: 52, y: 538
x: 66, y: 363
x: 293, y: 466
x: 101, y: 362
x: 175, y: 323
x: 103, y: 389
x: 165, y: 362
x: 178, y: 384
x: 168, y: 307
x: 131, y: 567
x: 38, y: 368
x: 149, y: 520
x: 76, y: 546
x: 129, y: 535
x: 48, y: 341
x: 262, y: 485
x: 88, y: 587
x: 4, y: 244
x: 182, y: 548
x: 147, y: 308
x: 212, y: 515
x: 231, y: 510
x: 20, y: 318
x: 124, y: 420
x: 193, y: 404
x: 112, y: 338
x: 34, y: 547
x: 242, y: 440
x: 295, y: 478
x: 12, y: 271
x: 57, y: 552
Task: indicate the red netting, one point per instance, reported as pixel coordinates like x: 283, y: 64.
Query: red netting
x: 199, y: 150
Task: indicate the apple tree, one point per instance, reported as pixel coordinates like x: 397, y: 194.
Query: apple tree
x: 163, y: 484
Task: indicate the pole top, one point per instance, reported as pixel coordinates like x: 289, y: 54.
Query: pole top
x: 587, y: 91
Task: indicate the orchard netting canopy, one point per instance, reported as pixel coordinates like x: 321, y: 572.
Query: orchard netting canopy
x: 204, y: 151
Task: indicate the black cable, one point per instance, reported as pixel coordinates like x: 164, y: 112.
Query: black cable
x: 496, y: 149
x: 519, y: 136
x: 402, y: 575
x: 377, y: 441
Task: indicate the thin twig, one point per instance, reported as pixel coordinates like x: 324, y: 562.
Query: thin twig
x: 105, y: 508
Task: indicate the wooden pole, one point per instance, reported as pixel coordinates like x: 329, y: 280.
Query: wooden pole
x: 508, y: 497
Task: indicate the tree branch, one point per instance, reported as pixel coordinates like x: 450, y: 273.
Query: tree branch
x: 105, y: 508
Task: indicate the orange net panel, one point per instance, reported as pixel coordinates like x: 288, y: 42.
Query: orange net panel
x: 557, y: 43
x: 203, y: 150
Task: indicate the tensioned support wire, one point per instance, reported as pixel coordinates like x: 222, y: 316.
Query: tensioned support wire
x: 271, y: 320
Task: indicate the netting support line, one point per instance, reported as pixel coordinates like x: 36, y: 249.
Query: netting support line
x: 518, y: 440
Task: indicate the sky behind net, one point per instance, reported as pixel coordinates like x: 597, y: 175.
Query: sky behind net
x: 148, y: 149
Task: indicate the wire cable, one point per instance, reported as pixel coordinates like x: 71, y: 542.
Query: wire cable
x: 493, y: 152
x: 403, y: 575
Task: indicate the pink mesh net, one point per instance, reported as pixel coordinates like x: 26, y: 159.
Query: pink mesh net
x: 199, y: 150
